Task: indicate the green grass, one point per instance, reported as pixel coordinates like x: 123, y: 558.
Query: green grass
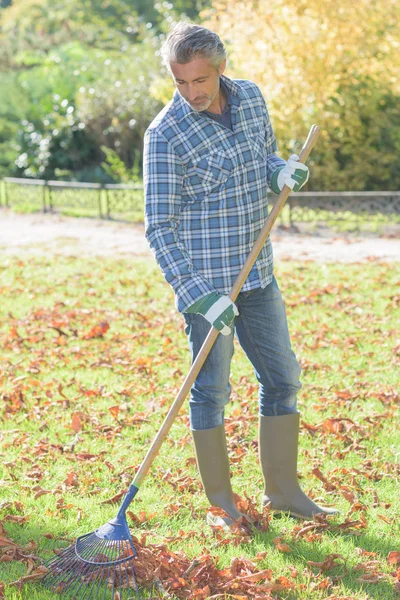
x: 57, y: 388
x: 343, y: 220
x: 311, y: 220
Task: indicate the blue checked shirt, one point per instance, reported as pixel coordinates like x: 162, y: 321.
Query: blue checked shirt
x: 206, y: 193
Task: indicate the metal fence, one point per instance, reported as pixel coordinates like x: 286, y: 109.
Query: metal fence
x: 122, y: 201
x: 91, y: 199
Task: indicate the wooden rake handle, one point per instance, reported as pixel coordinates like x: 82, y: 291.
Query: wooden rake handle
x: 213, y: 334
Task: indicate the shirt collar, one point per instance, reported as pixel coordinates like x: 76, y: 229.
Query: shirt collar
x: 233, y: 93
x: 228, y: 95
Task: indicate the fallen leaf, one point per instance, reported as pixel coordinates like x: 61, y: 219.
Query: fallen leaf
x: 36, y: 575
x: 97, y: 331
x: 281, y: 546
x: 76, y: 423
x: 393, y: 557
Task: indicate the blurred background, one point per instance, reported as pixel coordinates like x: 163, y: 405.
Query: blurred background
x: 81, y: 80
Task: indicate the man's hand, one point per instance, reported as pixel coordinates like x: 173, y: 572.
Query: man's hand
x: 219, y: 310
x: 294, y: 175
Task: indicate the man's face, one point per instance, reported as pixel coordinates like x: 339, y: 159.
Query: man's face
x: 198, y: 82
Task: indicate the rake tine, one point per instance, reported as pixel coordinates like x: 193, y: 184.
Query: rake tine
x: 121, y: 579
x: 80, y: 582
x: 114, y: 580
x: 99, y: 582
x: 122, y: 570
x: 62, y: 558
x: 77, y: 582
x: 96, y: 567
x: 96, y: 583
x: 56, y: 574
x: 106, y: 583
x: 125, y: 573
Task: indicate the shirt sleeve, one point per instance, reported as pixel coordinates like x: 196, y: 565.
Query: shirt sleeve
x: 274, y: 162
x: 163, y: 179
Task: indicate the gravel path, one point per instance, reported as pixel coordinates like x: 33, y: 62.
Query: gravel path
x: 55, y: 234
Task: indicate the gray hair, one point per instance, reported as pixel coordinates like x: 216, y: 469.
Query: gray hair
x: 187, y: 41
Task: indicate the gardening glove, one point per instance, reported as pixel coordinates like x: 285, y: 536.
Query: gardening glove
x: 294, y: 174
x: 219, y: 310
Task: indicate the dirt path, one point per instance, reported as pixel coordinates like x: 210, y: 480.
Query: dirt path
x: 55, y: 234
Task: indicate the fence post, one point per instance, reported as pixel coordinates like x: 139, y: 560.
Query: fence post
x: 108, y: 204
x: 44, y: 196
x: 99, y: 200
x: 5, y: 197
x: 49, y: 197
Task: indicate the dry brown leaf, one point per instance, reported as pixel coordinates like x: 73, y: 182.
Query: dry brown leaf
x: 362, y: 552
x: 36, y: 575
x: 260, y: 555
x: 97, y: 331
x: 327, y: 485
x: 281, y: 546
x: 393, y: 557
x: 114, y: 410
x: 266, y: 574
x: 115, y: 499
x: 76, y: 422
x: 71, y: 479
x: 39, y: 492
x: 6, y: 543
x: 385, y: 519
x: 335, y: 597
x: 330, y: 562
x: 371, y: 578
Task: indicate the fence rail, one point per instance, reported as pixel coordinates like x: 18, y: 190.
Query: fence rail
x: 125, y: 201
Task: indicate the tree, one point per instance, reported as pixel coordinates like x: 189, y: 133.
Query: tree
x: 32, y: 28
x: 331, y: 63
x: 84, y: 79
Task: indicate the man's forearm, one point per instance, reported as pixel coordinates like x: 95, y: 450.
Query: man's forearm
x: 274, y: 164
x: 176, y: 265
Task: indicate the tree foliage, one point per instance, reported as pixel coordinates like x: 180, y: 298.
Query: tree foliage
x: 331, y: 63
x: 86, y: 75
x: 81, y: 75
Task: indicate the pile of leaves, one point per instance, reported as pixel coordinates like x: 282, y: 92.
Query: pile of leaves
x: 172, y: 574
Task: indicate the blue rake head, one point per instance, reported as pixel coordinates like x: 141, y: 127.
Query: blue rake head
x: 99, y: 566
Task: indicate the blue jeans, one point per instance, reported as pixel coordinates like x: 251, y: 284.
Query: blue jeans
x: 262, y: 331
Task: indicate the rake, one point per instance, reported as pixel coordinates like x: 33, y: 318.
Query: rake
x: 100, y: 565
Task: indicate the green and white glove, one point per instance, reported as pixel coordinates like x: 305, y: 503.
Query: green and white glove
x: 219, y: 310
x: 294, y: 174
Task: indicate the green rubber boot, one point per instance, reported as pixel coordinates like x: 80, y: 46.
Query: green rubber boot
x: 278, y: 448
x: 213, y: 464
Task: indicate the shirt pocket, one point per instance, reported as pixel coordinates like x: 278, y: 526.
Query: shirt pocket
x: 208, y: 174
x: 257, y: 143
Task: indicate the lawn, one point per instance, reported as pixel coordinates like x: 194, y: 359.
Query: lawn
x: 94, y: 353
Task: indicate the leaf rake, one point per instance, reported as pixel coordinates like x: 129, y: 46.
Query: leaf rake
x: 100, y: 565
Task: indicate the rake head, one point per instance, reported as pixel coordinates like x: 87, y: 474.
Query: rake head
x: 99, y: 566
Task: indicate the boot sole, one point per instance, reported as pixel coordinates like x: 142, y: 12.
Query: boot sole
x: 295, y: 515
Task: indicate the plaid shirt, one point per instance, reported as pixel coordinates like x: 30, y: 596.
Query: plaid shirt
x: 206, y: 193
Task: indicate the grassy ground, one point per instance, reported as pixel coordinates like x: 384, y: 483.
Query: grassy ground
x: 80, y: 406
x: 131, y: 209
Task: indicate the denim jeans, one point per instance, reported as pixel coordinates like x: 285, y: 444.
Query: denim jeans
x: 262, y: 331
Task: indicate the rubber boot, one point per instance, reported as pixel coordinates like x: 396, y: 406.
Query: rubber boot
x: 278, y: 447
x: 213, y: 464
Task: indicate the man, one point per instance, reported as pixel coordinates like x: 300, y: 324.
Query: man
x: 209, y: 158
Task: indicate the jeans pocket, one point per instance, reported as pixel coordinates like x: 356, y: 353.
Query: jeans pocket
x: 188, y: 320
